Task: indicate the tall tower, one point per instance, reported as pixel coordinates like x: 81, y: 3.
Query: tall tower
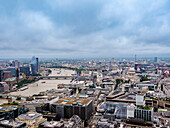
x: 37, y: 65
x: 156, y: 59
x: 1, y: 75
x: 135, y: 58
x: 34, y: 65
x: 17, y: 75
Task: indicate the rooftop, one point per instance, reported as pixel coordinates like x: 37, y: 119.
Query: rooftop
x: 13, y: 78
x: 145, y: 108
x: 8, y: 107
x: 11, y: 123
x: 72, y: 101
x: 29, y: 116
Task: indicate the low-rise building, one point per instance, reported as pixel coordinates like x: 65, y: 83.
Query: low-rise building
x: 11, y: 111
x: 73, y: 122
x: 4, y: 87
x: 32, y: 119
x: 12, y: 124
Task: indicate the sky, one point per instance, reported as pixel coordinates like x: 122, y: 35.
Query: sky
x: 84, y: 28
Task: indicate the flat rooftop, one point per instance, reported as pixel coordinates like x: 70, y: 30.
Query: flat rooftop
x: 11, y: 123
x: 68, y: 101
x: 7, y: 108
x: 29, y: 116
x: 145, y: 108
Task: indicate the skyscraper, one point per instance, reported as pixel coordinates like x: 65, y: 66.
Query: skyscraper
x: 1, y: 75
x: 34, y: 65
x: 17, y: 75
x: 25, y: 70
x: 37, y: 65
x: 156, y: 59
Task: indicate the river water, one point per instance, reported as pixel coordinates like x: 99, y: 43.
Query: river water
x: 43, y: 85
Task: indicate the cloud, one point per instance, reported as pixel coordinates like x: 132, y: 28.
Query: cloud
x: 99, y: 28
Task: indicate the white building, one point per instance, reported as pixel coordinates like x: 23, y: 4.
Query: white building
x: 130, y: 111
x: 140, y: 99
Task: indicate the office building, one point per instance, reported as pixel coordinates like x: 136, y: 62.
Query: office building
x: 32, y: 119
x: 73, y: 122
x: 130, y: 111
x: 25, y: 70
x: 34, y: 65
x: 12, y: 124
x: 141, y: 113
x: 66, y: 108
x: 11, y: 111
x: 156, y: 59
x: 37, y: 65
x: 16, y: 63
x: 144, y: 113
x: 13, y: 70
x: 7, y: 74
x: 1, y: 75
x: 140, y: 99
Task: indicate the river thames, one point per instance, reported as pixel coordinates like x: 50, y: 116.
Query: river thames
x: 43, y: 85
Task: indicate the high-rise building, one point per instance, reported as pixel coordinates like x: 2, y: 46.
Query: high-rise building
x: 34, y: 65
x: 25, y: 70
x: 135, y: 58
x: 37, y: 65
x: 1, y: 76
x: 17, y: 75
x: 16, y: 64
x: 156, y: 59
x: 13, y: 70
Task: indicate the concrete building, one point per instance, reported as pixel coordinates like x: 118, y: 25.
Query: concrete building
x: 1, y: 76
x: 156, y: 59
x: 16, y: 63
x: 144, y: 113
x: 11, y: 111
x: 141, y: 113
x: 66, y: 108
x: 166, y: 89
x: 130, y: 111
x: 7, y: 74
x: 34, y: 65
x: 140, y: 99
x: 73, y: 122
x: 12, y: 124
x: 13, y: 70
x: 32, y: 119
x: 25, y: 70
x: 4, y: 87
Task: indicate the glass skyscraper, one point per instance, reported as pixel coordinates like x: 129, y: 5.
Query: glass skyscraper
x: 34, y: 65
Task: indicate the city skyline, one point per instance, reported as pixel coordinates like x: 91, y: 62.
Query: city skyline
x: 84, y: 29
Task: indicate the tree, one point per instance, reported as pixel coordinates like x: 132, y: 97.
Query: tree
x: 49, y: 71
x: 143, y: 78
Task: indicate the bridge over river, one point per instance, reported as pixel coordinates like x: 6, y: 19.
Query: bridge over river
x: 57, y: 77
